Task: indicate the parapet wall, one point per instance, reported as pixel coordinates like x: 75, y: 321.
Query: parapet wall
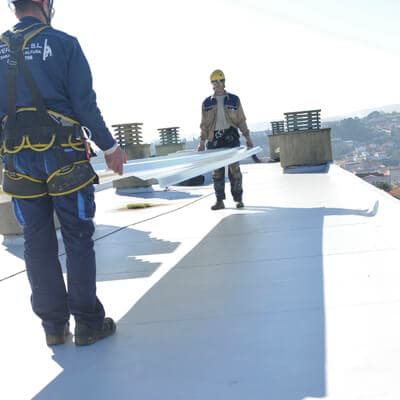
x: 165, y: 149
x: 137, y: 151
x: 8, y: 222
x: 274, y: 150
x: 301, y: 148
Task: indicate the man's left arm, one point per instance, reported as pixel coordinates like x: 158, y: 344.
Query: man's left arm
x: 242, y: 125
x: 83, y: 98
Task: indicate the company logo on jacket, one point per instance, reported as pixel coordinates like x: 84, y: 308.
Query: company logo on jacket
x: 32, y: 50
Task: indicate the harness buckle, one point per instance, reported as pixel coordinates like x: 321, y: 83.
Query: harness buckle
x: 86, y: 133
x: 219, y: 133
x: 12, y: 64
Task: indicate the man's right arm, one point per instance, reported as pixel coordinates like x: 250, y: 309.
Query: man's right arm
x: 203, y: 131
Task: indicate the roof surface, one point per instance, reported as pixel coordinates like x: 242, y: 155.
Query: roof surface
x: 296, y: 296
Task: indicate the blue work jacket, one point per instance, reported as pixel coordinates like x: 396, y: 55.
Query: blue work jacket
x: 62, y: 74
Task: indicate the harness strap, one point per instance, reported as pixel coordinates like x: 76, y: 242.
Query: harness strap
x: 44, y: 119
x: 12, y: 92
x: 16, y: 42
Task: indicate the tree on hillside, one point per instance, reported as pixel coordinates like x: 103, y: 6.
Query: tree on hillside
x: 394, y: 154
x: 383, y: 185
x: 396, y: 134
x: 340, y: 150
x: 374, y: 114
x: 352, y: 129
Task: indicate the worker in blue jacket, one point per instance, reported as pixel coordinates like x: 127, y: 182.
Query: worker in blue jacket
x: 48, y: 112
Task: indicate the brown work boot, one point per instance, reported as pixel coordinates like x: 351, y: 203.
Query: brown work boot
x: 219, y: 205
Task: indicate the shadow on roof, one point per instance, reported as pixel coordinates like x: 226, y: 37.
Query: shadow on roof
x: 241, y: 316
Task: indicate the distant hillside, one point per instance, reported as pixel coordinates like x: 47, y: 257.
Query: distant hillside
x: 266, y: 125
x: 363, y: 113
x: 259, y: 126
x: 378, y: 134
x: 375, y: 127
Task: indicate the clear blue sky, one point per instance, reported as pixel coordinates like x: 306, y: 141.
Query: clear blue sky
x: 151, y: 60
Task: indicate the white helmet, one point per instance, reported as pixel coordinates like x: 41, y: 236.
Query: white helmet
x: 39, y: 2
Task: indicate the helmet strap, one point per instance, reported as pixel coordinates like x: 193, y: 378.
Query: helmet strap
x: 49, y: 15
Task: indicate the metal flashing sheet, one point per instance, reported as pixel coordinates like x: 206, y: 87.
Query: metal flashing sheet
x: 178, y: 167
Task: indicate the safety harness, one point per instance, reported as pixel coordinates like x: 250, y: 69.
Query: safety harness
x: 39, y: 129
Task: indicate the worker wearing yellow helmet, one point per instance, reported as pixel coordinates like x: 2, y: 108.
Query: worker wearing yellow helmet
x: 217, y: 75
x: 221, y: 119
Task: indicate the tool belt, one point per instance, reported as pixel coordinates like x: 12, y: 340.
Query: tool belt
x: 65, y: 180
x: 39, y: 129
x: 28, y: 135
x: 224, y: 138
x: 61, y: 132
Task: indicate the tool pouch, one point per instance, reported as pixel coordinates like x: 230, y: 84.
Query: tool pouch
x: 71, y: 178
x: 23, y: 186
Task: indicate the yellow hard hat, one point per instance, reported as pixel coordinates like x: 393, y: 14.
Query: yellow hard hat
x: 217, y: 75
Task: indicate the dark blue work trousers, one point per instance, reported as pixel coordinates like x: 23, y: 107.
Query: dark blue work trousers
x: 51, y: 300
